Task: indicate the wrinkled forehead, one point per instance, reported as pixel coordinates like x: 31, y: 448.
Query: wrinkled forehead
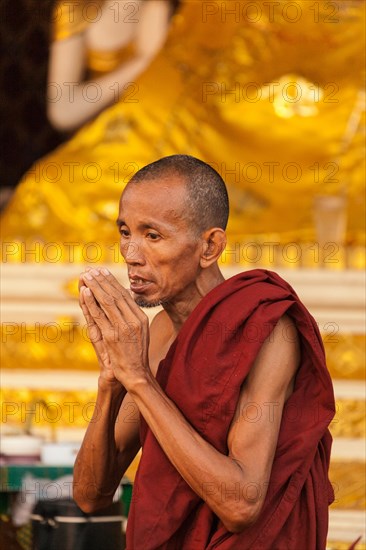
x: 165, y: 196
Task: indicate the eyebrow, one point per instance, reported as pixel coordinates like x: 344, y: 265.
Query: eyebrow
x: 146, y: 225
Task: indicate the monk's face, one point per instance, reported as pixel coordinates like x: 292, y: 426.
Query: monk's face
x: 160, y: 248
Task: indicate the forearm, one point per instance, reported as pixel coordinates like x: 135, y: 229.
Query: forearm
x: 218, y: 479
x: 79, y: 102
x: 98, y: 466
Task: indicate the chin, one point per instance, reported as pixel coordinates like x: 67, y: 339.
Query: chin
x: 143, y: 302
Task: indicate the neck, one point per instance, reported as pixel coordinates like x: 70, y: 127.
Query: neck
x: 181, y: 307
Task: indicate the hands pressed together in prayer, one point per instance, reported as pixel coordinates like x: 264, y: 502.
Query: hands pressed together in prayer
x: 117, y: 328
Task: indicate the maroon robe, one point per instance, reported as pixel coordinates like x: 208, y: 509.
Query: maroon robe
x: 202, y: 374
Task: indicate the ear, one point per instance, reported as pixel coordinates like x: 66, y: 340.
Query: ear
x: 213, y: 245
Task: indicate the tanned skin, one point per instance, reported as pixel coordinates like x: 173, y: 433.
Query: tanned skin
x: 168, y: 263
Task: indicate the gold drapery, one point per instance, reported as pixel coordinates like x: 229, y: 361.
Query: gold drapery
x: 265, y: 93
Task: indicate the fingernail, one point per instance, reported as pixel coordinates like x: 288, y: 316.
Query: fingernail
x: 105, y: 271
x: 88, y: 276
x: 87, y: 291
x: 95, y: 272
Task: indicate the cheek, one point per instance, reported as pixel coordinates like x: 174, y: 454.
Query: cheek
x: 176, y: 266
x: 179, y: 273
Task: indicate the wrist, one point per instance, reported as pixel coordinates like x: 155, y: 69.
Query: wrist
x: 110, y: 386
x: 140, y: 384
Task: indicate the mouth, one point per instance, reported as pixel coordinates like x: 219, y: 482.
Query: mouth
x: 138, y: 284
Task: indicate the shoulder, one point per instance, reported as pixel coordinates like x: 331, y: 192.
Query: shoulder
x: 263, y: 281
x: 161, y: 337
x: 160, y: 321
x: 285, y: 330
x: 68, y: 19
x: 278, y: 359
x: 161, y: 330
x: 284, y: 338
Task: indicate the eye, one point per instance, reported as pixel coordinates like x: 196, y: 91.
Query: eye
x: 153, y: 236
x: 124, y: 231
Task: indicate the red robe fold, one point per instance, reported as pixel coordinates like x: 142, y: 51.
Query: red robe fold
x: 203, y: 373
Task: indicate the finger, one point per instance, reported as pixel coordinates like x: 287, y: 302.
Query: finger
x: 90, y: 322
x: 103, y: 301
x: 110, y: 284
x: 129, y: 325
x: 81, y: 282
x: 111, y: 296
x: 93, y: 311
x: 81, y: 276
x: 110, y: 323
x: 83, y: 305
x: 104, y: 275
x: 94, y: 332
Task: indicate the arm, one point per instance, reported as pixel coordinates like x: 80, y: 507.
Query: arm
x: 68, y: 104
x: 110, y: 444
x: 245, y: 472
x: 251, y: 445
x: 112, y: 438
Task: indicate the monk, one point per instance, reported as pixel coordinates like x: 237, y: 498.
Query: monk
x: 226, y: 392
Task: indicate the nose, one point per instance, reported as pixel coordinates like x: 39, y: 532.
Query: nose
x: 132, y: 253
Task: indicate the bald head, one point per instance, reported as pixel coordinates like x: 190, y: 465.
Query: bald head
x: 206, y: 203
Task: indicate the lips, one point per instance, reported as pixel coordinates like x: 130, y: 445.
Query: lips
x: 138, y: 284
